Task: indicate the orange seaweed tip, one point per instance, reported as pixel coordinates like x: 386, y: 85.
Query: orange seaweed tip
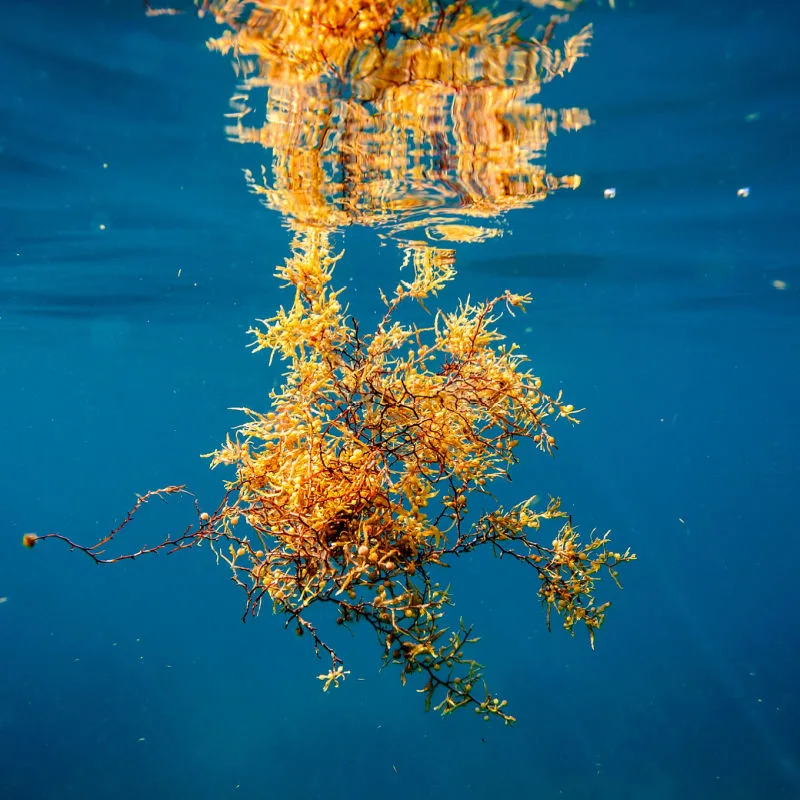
x: 29, y: 540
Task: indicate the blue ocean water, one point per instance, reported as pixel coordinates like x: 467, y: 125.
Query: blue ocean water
x: 133, y: 260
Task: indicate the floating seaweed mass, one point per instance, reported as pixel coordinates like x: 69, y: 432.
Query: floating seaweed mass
x: 359, y: 481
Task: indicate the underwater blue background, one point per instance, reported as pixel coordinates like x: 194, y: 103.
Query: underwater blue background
x: 132, y: 262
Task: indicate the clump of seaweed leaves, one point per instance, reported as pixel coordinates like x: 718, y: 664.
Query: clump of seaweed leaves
x: 360, y: 481
x: 355, y: 486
